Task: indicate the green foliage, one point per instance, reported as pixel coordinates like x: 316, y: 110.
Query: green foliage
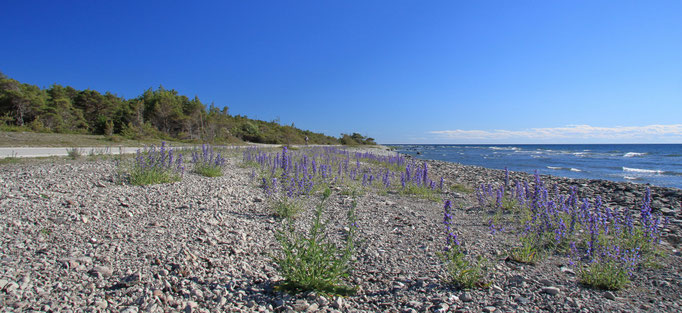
x: 158, y: 114
x: 74, y: 153
x: 208, y: 170
x: 287, y: 208
x: 310, y: 262
x: 10, y: 160
x: 420, y: 191
x: 461, y: 188
x: 356, y: 139
x: 604, y: 275
x: 462, y: 272
x: 150, y: 176
x: 529, y: 252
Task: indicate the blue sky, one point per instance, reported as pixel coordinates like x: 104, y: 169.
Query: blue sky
x: 398, y: 71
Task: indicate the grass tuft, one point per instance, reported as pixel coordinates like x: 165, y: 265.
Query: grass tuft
x: 310, y: 262
x: 604, y: 275
x: 287, y: 208
x: 463, y: 273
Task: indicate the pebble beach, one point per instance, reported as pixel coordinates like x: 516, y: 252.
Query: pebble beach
x: 75, y: 238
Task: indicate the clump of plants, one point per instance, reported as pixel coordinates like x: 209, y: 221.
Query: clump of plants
x: 74, y: 153
x: 286, y: 207
x: 605, y: 245
x: 309, y: 170
x: 156, y: 166
x: 461, y: 270
x: 208, y: 163
x: 309, y: 261
x: 415, y: 181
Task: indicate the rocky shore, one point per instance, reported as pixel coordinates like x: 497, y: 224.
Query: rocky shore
x: 74, y: 239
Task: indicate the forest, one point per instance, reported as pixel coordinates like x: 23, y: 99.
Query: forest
x: 160, y: 113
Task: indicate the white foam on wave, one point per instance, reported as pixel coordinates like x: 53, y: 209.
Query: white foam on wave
x: 554, y: 167
x: 630, y: 177
x: 575, y: 170
x: 634, y: 154
x: 505, y: 148
x: 641, y: 170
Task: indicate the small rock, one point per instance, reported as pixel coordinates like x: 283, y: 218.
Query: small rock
x: 102, y: 271
x: 11, y: 286
x: 415, y: 304
x: 191, y: 306
x: 465, y: 297
x: 198, y: 293
x: 101, y: 304
x: 322, y: 301
x: 567, y: 271
x: 609, y: 295
x: 301, y: 305
x: 337, y: 303
x: 546, y: 282
x: 489, y: 309
x: 551, y: 290
x: 522, y: 300
x: 312, y: 308
x: 221, y: 301
x: 130, y: 309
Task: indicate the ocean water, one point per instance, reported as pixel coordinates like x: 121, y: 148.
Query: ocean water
x: 657, y: 164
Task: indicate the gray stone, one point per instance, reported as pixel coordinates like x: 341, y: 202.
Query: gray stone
x: 337, y: 303
x: 522, y: 300
x: 301, y: 305
x: 551, y: 290
x: 11, y: 286
x: 489, y: 309
x: 130, y: 309
x: 609, y: 295
x: 312, y: 308
x: 101, y: 271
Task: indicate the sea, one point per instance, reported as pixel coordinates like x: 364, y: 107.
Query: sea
x: 656, y: 164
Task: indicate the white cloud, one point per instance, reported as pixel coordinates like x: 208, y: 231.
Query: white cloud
x: 571, y: 132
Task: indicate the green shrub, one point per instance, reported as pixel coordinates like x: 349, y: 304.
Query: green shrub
x: 529, y: 252
x: 310, y: 262
x: 604, y: 275
x: 287, y: 208
x: 150, y: 176
x: 462, y: 272
x: 74, y: 153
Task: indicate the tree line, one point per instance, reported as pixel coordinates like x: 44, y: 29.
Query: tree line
x: 160, y: 113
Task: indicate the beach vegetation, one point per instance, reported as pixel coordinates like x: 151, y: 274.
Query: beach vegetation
x: 155, y: 166
x: 207, y: 162
x: 74, y: 153
x: 461, y: 270
x: 287, y: 207
x: 606, y: 245
x: 309, y: 261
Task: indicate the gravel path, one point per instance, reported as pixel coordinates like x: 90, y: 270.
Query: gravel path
x: 73, y: 239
